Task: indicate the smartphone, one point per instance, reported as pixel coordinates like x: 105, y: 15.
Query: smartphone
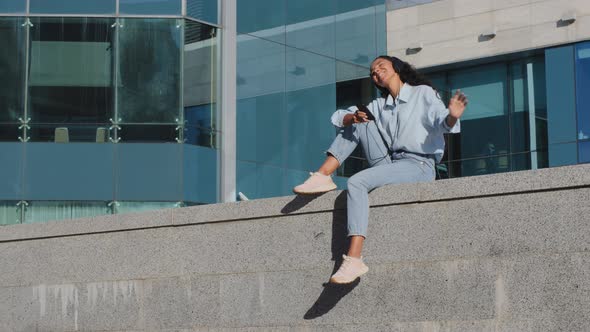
x: 364, y: 109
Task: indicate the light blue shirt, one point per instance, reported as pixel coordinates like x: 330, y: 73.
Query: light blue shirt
x: 414, y: 122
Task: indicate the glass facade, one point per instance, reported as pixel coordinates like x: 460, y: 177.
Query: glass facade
x: 150, y: 7
x: 13, y: 6
x: 72, y: 6
x: 526, y: 111
x: 112, y: 106
x: 582, y: 57
x: 103, y: 115
x: 289, y: 66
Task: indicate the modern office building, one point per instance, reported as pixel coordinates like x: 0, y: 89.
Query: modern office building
x: 109, y: 106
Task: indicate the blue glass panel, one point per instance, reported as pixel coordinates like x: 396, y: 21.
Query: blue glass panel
x: 439, y: 80
x: 261, y: 129
x: 11, y: 159
x: 149, y: 172
x: 150, y: 7
x: 69, y: 171
x: 306, y: 70
x: 485, y: 124
x: 199, y: 76
x: 246, y: 179
x: 315, y: 35
x: 260, y: 67
x: 205, y: 10
x: 149, y: 70
x: 12, y: 61
x: 13, y: 6
x: 260, y: 181
x: 381, y: 29
x: 305, y: 10
x: 356, y: 36
x: 44, y: 211
x: 347, y: 72
x: 584, y: 152
x: 560, y: 79
x: 73, y: 6
x: 198, y: 124
x: 200, y: 174
x: 582, y: 89
x: 563, y: 154
x: 270, y: 181
x: 71, y: 70
x: 310, y: 132
x: 350, y: 5
x: 10, y: 213
x: 262, y: 18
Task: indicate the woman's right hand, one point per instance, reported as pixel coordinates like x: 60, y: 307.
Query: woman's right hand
x: 356, y: 117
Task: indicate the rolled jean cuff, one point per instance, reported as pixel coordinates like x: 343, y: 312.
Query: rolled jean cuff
x: 330, y: 153
x: 357, y: 232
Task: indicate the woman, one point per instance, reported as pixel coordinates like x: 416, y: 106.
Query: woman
x: 402, y: 144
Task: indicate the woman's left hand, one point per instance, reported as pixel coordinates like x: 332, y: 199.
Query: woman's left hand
x: 457, y: 105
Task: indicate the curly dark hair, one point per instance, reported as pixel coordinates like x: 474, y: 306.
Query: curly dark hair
x: 407, y: 73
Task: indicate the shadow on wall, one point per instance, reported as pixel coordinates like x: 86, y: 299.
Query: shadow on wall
x: 332, y: 293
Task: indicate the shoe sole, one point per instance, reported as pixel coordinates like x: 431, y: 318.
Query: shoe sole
x: 333, y: 281
x: 319, y: 190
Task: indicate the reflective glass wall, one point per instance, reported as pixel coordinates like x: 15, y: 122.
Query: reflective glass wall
x: 505, y: 125
x: 568, y: 81
x: 526, y: 111
x: 107, y: 114
x: 291, y: 55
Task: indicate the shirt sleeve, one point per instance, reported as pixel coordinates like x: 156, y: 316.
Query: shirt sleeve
x: 338, y: 116
x: 437, y: 113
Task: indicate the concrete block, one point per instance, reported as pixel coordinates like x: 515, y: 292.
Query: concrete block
x: 433, y: 291
x: 472, y: 25
x: 17, y: 306
x: 507, y: 41
x: 181, y: 302
x: 548, y: 286
x: 512, y: 18
x: 436, y: 31
x: 435, y: 11
x: 504, y: 4
x: 547, y: 34
x: 549, y: 11
x: 582, y: 27
x: 505, y: 252
x: 470, y: 7
x: 107, y: 305
x: 549, y: 222
x: 402, y: 19
x: 581, y: 7
x: 69, y: 307
x: 262, y: 299
x: 99, y: 224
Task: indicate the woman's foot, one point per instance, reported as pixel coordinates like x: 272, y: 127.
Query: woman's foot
x: 316, y: 184
x: 350, y: 269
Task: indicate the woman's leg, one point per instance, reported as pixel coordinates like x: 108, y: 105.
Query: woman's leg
x: 329, y: 166
x: 359, y: 186
x: 343, y: 145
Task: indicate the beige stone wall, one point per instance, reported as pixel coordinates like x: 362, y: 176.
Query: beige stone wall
x: 449, y: 29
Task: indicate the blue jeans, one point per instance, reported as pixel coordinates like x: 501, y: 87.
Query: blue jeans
x: 401, y: 167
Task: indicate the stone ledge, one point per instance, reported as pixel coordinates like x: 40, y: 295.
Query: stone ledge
x: 550, y: 179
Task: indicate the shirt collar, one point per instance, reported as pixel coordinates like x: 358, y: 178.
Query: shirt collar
x: 405, y: 92
x: 404, y: 95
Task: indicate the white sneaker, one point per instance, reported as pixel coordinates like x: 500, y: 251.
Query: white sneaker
x: 316, y: 184
x: 350, y: 269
